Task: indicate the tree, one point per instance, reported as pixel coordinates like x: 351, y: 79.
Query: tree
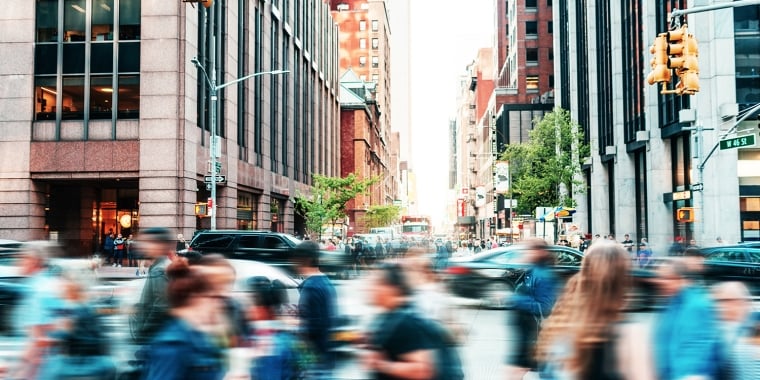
x: 382, y: 215
x: 328, y: 199
x: 548, y: 164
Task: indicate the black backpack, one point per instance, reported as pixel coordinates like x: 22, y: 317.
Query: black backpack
x: 448, y: 364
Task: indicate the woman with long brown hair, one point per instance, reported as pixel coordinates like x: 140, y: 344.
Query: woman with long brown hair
x: 587, y: 335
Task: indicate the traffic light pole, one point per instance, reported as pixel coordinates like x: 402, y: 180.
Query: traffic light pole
x: 673, y: 17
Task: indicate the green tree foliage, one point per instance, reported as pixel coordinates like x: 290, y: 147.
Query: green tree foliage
x: 382, y: 215
x: 549, y: 159
x: 328, y: 199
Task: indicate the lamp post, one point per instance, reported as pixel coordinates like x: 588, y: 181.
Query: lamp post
x: 214, y: 145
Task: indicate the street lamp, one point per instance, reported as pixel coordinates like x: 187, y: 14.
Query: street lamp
x: 214, y: 147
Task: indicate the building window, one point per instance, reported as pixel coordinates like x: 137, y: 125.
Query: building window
x: 551, y: 54
x: 548, y: 3
x: 362, y: 25
x: 531, y: 28
x: 375, y: 43
x: 531, y: 4
x: 550, y: 27
x: 531, y: 82
x: 113, y: 89
x: 551, y: 81
x: 362, y: 43
x: 363, y: 77
x: 375, y: 62
x: 375, y: 78
x: 531, y: 57
x: 247, y: 210
x: 362, y: 61
x: 375, y: 26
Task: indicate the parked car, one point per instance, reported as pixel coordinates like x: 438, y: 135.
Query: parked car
x: 490, y: 276
x: 265, y: 246
x: 733, y: 263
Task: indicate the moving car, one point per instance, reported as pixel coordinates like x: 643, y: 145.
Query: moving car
x: 491, y: 276
x: 733, y: 263
x: 265, y: 246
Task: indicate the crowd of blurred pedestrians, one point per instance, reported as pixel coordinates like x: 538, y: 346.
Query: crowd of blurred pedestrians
x: 188, y: 325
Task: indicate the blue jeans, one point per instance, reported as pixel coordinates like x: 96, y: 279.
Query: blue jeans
x: 118, y: 254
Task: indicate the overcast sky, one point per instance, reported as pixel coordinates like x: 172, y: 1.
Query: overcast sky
x: 446, y: 36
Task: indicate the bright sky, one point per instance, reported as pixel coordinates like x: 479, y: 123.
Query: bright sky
x: 446, y: 36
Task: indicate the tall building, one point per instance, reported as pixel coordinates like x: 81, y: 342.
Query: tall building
x: 652, y: 154
x: 107, y: 121
x: 360, y: 144
x: 364, y: 48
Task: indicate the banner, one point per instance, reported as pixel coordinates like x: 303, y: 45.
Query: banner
x: 501, y: 177
x: 480, y: 196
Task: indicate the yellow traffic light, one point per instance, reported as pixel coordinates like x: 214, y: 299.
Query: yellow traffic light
x: 676, y: 47
x: 659, y: 49
x: 685, y: 215
x: 207, y: 3
x: 690, y: 73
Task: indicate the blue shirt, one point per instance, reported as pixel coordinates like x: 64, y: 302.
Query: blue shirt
x: 687, y: 339
x: 536, y: 293
x: 40, y: 302
x: 317, y: 311
x: 181, y: 352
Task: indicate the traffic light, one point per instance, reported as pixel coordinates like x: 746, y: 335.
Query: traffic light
x: 685, y: 215
x: 659, y: 49
x: 683, y: 52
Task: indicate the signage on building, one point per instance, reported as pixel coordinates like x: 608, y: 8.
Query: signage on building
x: 463, y: 193
x: 480, y: 196
x: 461, y: 207
x: 501, y: 177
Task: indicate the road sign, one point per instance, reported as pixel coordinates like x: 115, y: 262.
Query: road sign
x: 219, y: 179
x: 737, y: 142
x: 697, y: 187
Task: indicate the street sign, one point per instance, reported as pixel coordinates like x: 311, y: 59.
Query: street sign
x: 219, y: 179
x: 697, y: 187
x: 737, y: 142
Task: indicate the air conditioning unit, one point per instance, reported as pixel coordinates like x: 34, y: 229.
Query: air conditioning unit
x: 610, y: 150
x: 642, y: 136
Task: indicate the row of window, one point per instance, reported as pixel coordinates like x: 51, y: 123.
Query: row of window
x: 375, y: 61
x: 534, y: 3
x: 363, y: 43
x: 363, y: 25
x: 87, y: 59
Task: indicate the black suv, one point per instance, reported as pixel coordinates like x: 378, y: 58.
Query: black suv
x: 265, y: 246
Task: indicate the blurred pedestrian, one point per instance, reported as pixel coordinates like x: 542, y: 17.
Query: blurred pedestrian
x: 677, y: 248
x: 429, y: 292
x: 230, y: 327
x: 156, y: 244
x: 36, y: 314
x: 118, y: 249
x: 644, y: 254
x: 181, y: 349
x: 80, y: 347
x: 587, y: 329
x: 278, y: 353
x: 398, y: 347
x: 131, y: 262
x: 532, y: 301
x: 748, y: 353
x: 737, y: 321
x: 687, y: 338
x: 628, y: 245
x: 181, y: 243
x: 317, y: 305
x: 108, y: 248
x: 719, y: 241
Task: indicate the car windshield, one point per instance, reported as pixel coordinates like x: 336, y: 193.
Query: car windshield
x: 292, y: 239
x: 211, y: 241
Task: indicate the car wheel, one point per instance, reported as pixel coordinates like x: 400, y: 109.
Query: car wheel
x: 494, y: 295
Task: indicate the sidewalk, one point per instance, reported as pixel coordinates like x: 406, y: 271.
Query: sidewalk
x: 107, y: 272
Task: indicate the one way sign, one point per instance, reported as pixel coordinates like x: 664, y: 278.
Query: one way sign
x: 219, y: 179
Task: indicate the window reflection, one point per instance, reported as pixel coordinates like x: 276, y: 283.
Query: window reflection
x: 102, y: 20
x: 73, y: 98
x: 129, y: 97
x: 101, y: 97
x: 73, y: 58
x: 129, y: 20
x: 45, y: 98
x: 74, y: 20
x: 47, y: 20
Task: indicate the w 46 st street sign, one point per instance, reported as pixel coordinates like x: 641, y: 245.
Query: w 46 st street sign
x: 737, y: 142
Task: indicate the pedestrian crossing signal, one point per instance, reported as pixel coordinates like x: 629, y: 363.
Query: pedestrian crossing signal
x: 685, y: 215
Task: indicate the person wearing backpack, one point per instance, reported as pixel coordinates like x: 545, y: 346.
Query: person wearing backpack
x: 403, y: 344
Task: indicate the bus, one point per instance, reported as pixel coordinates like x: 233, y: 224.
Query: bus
x: 416, y: 228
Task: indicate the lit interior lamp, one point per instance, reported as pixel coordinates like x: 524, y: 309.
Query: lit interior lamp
x: 125, y: 221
